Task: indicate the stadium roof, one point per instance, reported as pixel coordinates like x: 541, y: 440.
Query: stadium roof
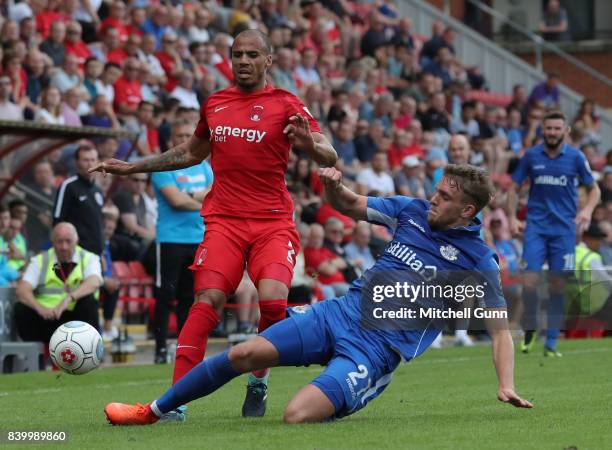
x: 24, y: 143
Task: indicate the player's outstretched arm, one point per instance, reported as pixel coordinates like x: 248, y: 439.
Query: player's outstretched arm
x: 315, y: 144
x: 187, y: 154
x: 503, y: 358
x: 342, y: 198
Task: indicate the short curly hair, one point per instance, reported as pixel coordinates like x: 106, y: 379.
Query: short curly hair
x: 473, y: 182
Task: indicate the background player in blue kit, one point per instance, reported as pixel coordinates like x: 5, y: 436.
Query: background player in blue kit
x: 429, y: 239
x: 554, y: 170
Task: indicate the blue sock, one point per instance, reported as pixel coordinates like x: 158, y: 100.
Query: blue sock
x: 203, y: 379
x: 556, y: 306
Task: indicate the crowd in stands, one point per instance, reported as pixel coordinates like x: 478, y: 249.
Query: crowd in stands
x: 390, y: 100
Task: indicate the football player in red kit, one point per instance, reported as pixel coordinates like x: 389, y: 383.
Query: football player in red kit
x: 248, y: 130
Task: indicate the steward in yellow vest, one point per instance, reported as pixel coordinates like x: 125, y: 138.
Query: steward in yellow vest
x: 58, y: 286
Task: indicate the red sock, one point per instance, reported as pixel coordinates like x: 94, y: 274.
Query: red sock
x: 193, y: 339
x: 271, y: 311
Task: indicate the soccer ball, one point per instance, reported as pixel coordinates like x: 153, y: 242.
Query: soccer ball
x: 76, y: 347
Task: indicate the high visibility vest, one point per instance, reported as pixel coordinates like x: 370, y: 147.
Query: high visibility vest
x: 586, y: 297
x: 20, y: 243
x: 51, y: 289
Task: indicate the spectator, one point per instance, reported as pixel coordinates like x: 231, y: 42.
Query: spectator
x: 376, y: 178
x: 79, y: 201
x: 170, y: 59
x: 147, y: 56
x: 509, y: 259
x: 282, y: 74
x: 441, y: 37
x: 37, y: 78
x: 375, y: 36
x: 72, y: 107
x: 467, y: 124
x: 546, y: 93
x: 554, y: 25
x: 403, y: 35
x: 366, y: 146
x: 409, y: 180
x: 323, y: 264
x: 143, y: 125
x: 306, y: 71
x: 184, y: 93
x: 92, y: 72
x: 54, y: 45
x: 50, y: 107
x: 16, y: 243
x: 39, y: 221
x: 106, y: 84
x: 7, y: 273
x: 441, y: 66
x: 514, y: 132
x: 436, y: 117
x: 519, y: 100
x: 127, y: 89
x: 358, y: 253
x: 58, y: 286
x: 8, y: 109
x: 102, y: 114
x: 345, y: 147
x: 68, y: 76
x: 198, y: 32
x: 302, y: 284
x: 109, y: 291
x: 73, y: 45
x: 403, y: 146
x: 156, y: 24
x: 179, y: 231
x: 132, y: 210
x: 116, y: 19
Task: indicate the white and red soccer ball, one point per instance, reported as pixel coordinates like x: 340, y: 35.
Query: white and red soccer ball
x: 76, y: 347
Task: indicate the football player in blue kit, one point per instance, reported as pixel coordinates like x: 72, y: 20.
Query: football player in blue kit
x: 429, y: 239
x: 554, y: 170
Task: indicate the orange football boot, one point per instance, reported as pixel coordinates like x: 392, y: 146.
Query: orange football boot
x: 124, y: 414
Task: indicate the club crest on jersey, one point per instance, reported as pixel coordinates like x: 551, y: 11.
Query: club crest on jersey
x: 449, y: 252
x: 256, y: 113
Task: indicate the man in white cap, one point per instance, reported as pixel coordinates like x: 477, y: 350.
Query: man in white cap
x: 409, y: 180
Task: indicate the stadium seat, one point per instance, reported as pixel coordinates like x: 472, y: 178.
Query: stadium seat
x: 22, y: 356
x: 490, y: 98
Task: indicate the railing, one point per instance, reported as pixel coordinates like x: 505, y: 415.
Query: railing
x: 501, y: 68
x: 540, y: 43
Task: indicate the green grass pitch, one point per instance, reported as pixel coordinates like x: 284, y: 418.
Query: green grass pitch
x: 444, y: 399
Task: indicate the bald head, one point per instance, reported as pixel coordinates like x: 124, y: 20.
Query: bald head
x: 266, y: 44
x: 64, y: 238
x: 459, y: 149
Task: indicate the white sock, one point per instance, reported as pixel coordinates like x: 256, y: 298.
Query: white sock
x: 155, y: 409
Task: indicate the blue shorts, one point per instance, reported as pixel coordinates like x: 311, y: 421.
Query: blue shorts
x: 558, y: 250
x: 359, y: 366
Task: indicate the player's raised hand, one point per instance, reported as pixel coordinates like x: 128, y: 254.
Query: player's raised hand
x: 509, y: 396
x: 113, y: 166
x: 298, y: 132
x: 331, y: 177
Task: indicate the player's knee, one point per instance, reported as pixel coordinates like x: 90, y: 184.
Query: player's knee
x: 214, y: 297
x: 295, y: 415
x: 241, y: 357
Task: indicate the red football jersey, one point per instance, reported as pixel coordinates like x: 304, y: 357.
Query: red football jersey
x: 249, y: 152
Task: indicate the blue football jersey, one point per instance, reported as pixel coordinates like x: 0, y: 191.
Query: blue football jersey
x: 553, y: 188
x: 417, y: 254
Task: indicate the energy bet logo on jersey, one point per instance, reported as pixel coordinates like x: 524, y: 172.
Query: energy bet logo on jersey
x: 220, y: 134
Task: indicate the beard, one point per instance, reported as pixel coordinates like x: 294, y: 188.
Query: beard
x: 553, y: 143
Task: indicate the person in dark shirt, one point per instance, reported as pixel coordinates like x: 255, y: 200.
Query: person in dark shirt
x: 436, y: 116
x: 79, y: 201
x: 374, y: 37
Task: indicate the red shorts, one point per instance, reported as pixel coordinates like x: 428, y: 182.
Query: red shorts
x: 268, y: 248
